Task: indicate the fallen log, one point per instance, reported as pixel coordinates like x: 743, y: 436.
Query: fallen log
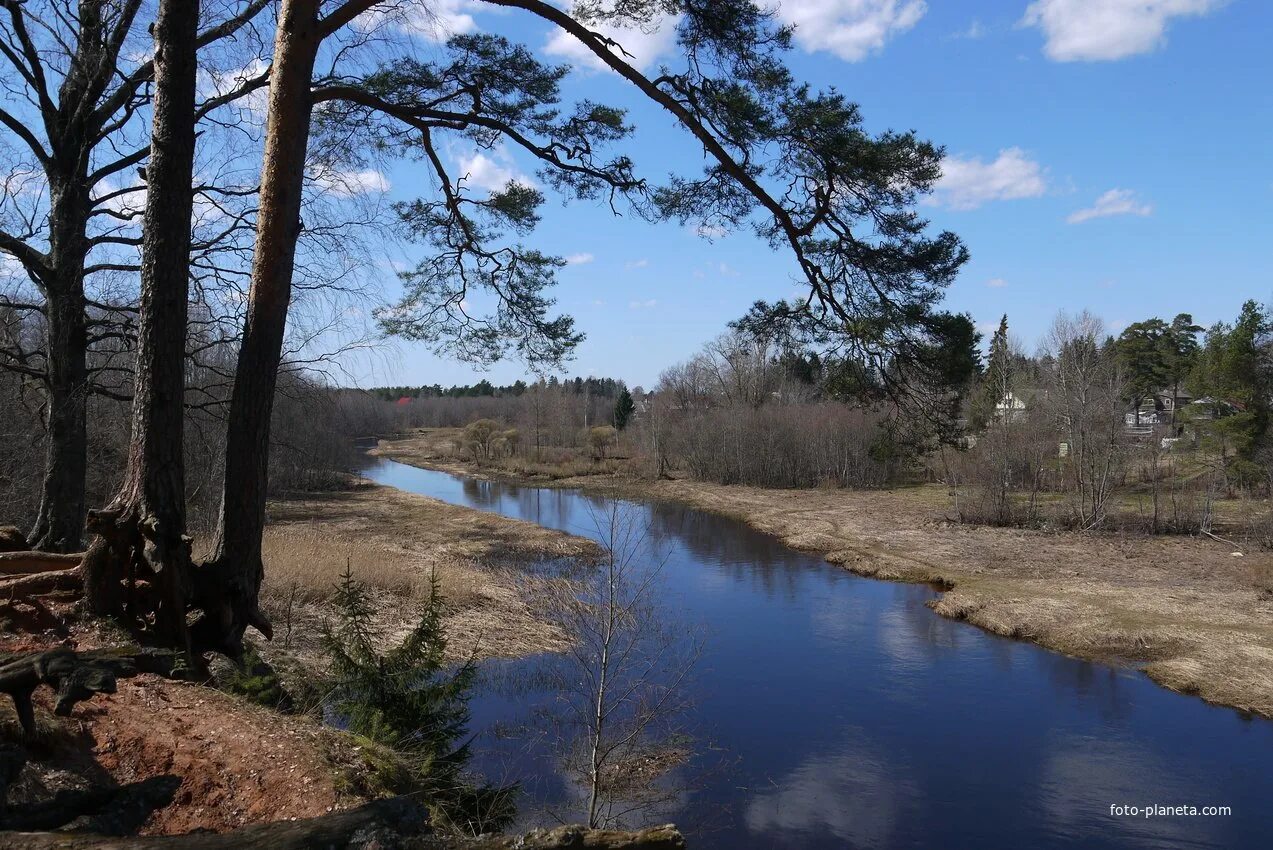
x: 61, y: 581
x: 665, y: 837
x: 383, y: 824
x: 24, y: 563
x: 75, y: 676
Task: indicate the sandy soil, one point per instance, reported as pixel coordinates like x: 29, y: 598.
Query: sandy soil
x: 1198, y: 615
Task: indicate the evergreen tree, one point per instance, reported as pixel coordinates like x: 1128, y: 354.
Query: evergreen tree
x: 624, y: 407
x: 1182, y: 351
x: 1144, y: 350
x: 1234, y: 370
x: 999, y: 379
x: 409, y: 701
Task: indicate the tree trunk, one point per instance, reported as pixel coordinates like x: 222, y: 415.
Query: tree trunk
x: 231, y: 580
x: 142, y: 532
x: 59, y: 527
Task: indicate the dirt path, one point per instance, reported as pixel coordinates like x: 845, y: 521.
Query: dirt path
x: 1200, y: 617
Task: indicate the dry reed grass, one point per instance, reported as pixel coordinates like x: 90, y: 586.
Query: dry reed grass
x: 394, y: 542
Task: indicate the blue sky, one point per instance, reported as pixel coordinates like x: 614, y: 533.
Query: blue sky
x: 1104, y: 154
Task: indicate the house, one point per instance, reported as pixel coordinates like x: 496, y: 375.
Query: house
x: 1158, y: 408
x: 1012, y: 406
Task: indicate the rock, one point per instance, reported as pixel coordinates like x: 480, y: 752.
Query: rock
x: 12, y: 540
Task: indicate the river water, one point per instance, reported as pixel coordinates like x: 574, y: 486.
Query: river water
x: 833, y: 711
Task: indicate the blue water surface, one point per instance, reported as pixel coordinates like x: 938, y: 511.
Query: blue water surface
x: 833, y: 711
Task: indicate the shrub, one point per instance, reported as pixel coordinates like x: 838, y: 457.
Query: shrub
x: 600, y: 439
x: 408, y: 703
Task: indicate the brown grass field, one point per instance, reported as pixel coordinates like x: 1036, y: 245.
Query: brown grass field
x: 394, y: 542
x: 1195, y: 613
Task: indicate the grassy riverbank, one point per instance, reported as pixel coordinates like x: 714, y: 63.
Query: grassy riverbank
x: 1197, y: 615
x: 394, y: 542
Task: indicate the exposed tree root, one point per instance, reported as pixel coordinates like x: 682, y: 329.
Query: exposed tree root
x: 118, y: 810
x: 61, y: 581
x: 75, y: 676
x: 383, y: 823
x: 31, y: 615
x: 25, y: 563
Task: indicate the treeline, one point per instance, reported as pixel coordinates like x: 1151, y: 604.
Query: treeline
x: 1152, y: 428
x: 554, y: 408
x: 601, y: 387
x: 313, y: 425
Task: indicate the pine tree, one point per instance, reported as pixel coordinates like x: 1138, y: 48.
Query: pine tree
x: 409, y: 701
x: 998, y: 382
x: 624, y: 407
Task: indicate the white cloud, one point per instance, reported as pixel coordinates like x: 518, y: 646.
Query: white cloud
x: 968, y: 182
x: 727, y: 270
x: 255, y: 104
x: 349, y: 184
x: 643, y: 305
x: 996, y: 283
x: 436, y: 21
x: 641, y: 46
x: 1113, y: 202
x: 10, y: 265
x: 1097, y: 30
x: 440, y: 19
x: 491, y: 172
x: 851, y: 29
x: 578, y: 259
x: 636, y: 264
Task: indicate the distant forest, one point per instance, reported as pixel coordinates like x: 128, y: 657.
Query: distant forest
x: 597, y: 387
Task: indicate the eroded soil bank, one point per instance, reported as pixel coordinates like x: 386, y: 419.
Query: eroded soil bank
x: 1197, y: 615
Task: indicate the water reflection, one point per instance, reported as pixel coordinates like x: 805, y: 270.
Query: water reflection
x: 850, y: 715
x: 852, y: 792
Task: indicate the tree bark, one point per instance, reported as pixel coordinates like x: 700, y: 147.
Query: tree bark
x: 230, y: 580
x: 143, y: 530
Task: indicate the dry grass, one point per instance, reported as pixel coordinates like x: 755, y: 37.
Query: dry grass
x: 394, y: 542
x: 435, y: 448
x: 1198, y: 617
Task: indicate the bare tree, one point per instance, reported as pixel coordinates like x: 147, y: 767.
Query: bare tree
x: 622, y: 683
x: 72, y: 105
x: 1086, y: 401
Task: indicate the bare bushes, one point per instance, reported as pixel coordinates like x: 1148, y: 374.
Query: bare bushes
x: 1004, y: 477
x: 313, y: 433
x: 798, y: 445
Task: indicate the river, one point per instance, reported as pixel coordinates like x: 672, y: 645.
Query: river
x: 833, y: 711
